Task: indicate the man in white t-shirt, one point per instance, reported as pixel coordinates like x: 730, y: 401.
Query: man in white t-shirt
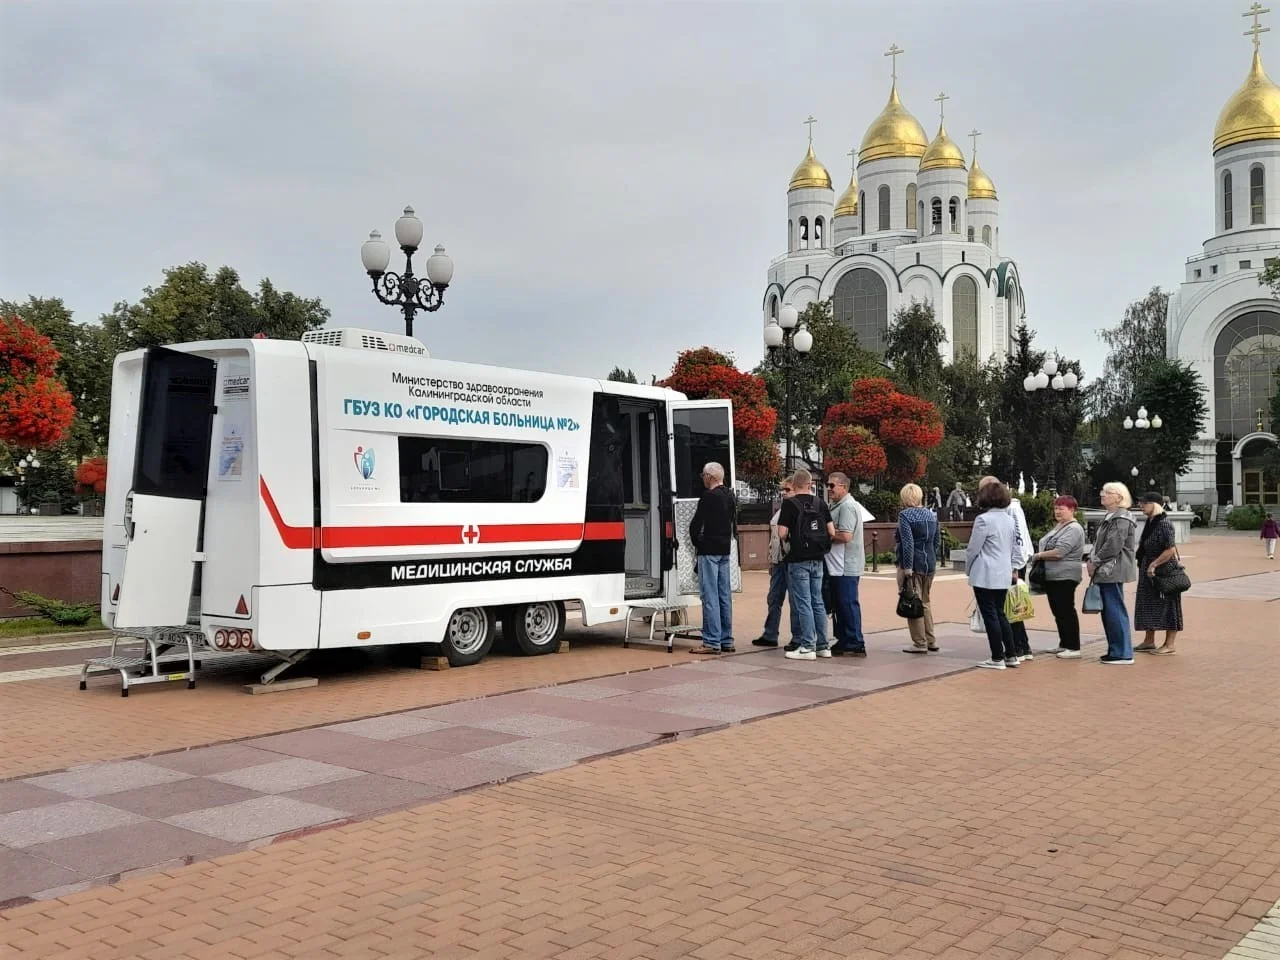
x: 845, y: 562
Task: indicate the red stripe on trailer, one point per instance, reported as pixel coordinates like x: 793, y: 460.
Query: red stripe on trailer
x: 308, y: 538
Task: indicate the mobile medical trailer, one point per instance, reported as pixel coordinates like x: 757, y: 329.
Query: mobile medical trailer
x: 349, y: 490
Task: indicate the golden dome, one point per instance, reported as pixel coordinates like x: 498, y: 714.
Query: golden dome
x: 895, y: 133
x: 810, y: 173
x: 980, y: 185
x: 1252, y: 113
x: 847, y: 205
x: 942, y: 153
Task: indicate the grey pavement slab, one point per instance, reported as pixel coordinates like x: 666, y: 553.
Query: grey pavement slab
x: 537, y: 756
x: 604, y: 739
x: 391, y: 727
x: 118, y: 849
x: 256, y: 818
x: 455, y: 740
x: 364, y: 796
x: 282, y: 776
x: 168, y: 799
x: 73, y: 818
x: 344, y: 749
x: 21, y: 875
x: 461, y: 772
x: 203, y: 761
x: 527, y: 724
x: 95, y: 780
x: 16, y: 795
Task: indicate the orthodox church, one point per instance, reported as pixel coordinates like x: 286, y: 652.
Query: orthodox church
x: 916, y: 222
x: 1220, y: 319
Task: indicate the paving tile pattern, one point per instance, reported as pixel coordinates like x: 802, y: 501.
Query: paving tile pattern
x: 203, y: 801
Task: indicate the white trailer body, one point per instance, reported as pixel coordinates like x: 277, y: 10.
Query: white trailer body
x: 291, y: 496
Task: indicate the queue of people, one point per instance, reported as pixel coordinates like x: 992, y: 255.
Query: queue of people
x: 817, y: 558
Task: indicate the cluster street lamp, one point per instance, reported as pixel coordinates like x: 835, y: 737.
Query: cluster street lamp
x: 29, y: 462
x: 1141, y: 422
x: 1062, y: 383
x: 406, y: 291
x: 784, y: 338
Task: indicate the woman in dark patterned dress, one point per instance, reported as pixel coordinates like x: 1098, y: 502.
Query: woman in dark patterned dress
x: 1152, y: 610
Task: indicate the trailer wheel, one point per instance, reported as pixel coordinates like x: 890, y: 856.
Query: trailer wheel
x: 536, y: 628
x: 469, y: 636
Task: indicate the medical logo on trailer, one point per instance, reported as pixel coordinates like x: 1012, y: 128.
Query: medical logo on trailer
x: 364, y: 459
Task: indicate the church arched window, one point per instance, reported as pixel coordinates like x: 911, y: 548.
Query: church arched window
x: 1257, y: 195
x: 861, y: 302
x: 791, y: 235
x: 986, y: 235
x: 804, y: 233
x: 971, y: 234
x: 911, y: 206
x: 953, y: 209
x: 964, y: 316
x: 882, y: 197
x: 1226, y: 201
x: 862, y: 212
x: 773, y: 306
x: 935, y: 215
x: 819, y: 235
x: 1245, y: 358
x: 920, y: 221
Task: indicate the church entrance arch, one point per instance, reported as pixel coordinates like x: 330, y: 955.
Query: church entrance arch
x: 1246, y: 356
x: 1251, y: 469
x: 861, y: 302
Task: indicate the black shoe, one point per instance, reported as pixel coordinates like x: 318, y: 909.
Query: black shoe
x: 839, y: 651
x: 728, y: 649
x: 763, y: 642
x: 858, y: 653
x: 793, y: 645
x: 935, y: 649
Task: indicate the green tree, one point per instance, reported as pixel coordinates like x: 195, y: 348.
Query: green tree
x: 618, y: 375
x: 819, y: 378
x: 969, y: 396
x: 1138, y: 340
x: 913, y: 350
x: 192, y: 305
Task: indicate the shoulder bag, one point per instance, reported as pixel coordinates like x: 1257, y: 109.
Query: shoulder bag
x: 1171, y: 577
x: 910, y: 606
x: 1092, y: 599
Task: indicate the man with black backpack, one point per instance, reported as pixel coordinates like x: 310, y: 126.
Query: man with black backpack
x: 806, y: 531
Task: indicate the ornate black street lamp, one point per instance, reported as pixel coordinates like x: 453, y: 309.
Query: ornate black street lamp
x: 406, y: 291
x: 1143, y: 423
x: 1063, y: 384
x: 785, y: 338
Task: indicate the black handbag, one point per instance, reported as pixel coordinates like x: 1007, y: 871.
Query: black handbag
x: 1171, y: 578
x: 1036, y: 576
x: 910, y: 607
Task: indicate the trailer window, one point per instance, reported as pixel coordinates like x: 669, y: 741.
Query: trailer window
x: 701, y: 437
x: 439, y: 470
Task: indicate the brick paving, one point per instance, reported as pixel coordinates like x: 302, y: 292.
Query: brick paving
x: 1062, y: 810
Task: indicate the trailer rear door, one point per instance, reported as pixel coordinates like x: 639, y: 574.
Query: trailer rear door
x: 701, y: 432
x: 165, y: 508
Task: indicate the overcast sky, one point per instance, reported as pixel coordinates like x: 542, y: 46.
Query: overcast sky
x: 610, y: 178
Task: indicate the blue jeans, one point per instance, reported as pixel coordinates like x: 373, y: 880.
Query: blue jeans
x: 717, y: 604
x: 777, y: 592
x: 1115, y: 621
x: 848, y: 612
x: 804, y: 582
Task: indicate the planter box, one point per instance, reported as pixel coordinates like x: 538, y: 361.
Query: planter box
x: 958, y: 560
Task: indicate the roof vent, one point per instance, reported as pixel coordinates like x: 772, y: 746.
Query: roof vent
x: 354, y: 338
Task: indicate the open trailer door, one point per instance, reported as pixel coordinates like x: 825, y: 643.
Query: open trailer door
x: 701, y: 432
x: 164, y: 511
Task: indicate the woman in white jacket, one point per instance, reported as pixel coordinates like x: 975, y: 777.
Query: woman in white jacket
x: 1025, y: 548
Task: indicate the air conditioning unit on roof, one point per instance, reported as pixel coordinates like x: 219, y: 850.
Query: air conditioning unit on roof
x: 354, y: 338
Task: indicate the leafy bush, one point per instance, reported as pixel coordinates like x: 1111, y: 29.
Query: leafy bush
x: 949, y: 542
x: 885, y: 504
x: 58, y: 611
x: 1248, y: 517
x: 884, y: 557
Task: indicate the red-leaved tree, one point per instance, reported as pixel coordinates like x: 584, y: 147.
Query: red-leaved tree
x: 880, y: 431
x: 704, y: 373
x: 91, y: 476
x: 35, y: 406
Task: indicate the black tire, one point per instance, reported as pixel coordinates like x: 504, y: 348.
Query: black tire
x: 468, y: 635
x: 536, y: 628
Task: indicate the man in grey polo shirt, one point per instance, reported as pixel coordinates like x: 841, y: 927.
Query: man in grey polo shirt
x: 845, y: 562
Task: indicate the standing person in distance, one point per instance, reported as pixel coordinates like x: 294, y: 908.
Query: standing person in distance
x: 1153, y: 610
x: 1022, y: 535
x: 777, y: 582
x: 845, y: 562
x: 1112, y: 564
x: 956, y: 502
x: 991, y: 557
x: 919, y: 543
x: 1270, y: 534
x: 1062, y: 553
x: 711, y: 531
x: 806, y: 531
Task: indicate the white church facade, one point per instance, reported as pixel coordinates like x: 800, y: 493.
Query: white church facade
x: 1220, y: 319
x: 916, y: 222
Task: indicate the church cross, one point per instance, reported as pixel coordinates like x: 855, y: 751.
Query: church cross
x: 809, y: 123
x: 1257, y: 30
x: 974, y: 134
x: 893, y: 51
x: 941, y: 100
x: 853, y: 159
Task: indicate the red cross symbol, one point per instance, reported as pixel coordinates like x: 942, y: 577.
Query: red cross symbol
x: 470, y: 534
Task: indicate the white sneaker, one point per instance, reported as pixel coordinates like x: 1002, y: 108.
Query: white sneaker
x: 1069, y: 655
x: 1025, y: 657
x: 992, y: 664
x: 1011, y: 661
x: 823, y: 654
x: 802, y: 655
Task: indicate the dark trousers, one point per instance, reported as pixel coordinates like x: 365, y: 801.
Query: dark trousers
x: 848, y: 613
x: 1062, y: 601
x: 999, y: 631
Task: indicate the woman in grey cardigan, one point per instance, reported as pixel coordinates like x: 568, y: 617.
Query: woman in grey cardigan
x: 1062, y: 553
x: 1111, y: 566
x: 991, y: 556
